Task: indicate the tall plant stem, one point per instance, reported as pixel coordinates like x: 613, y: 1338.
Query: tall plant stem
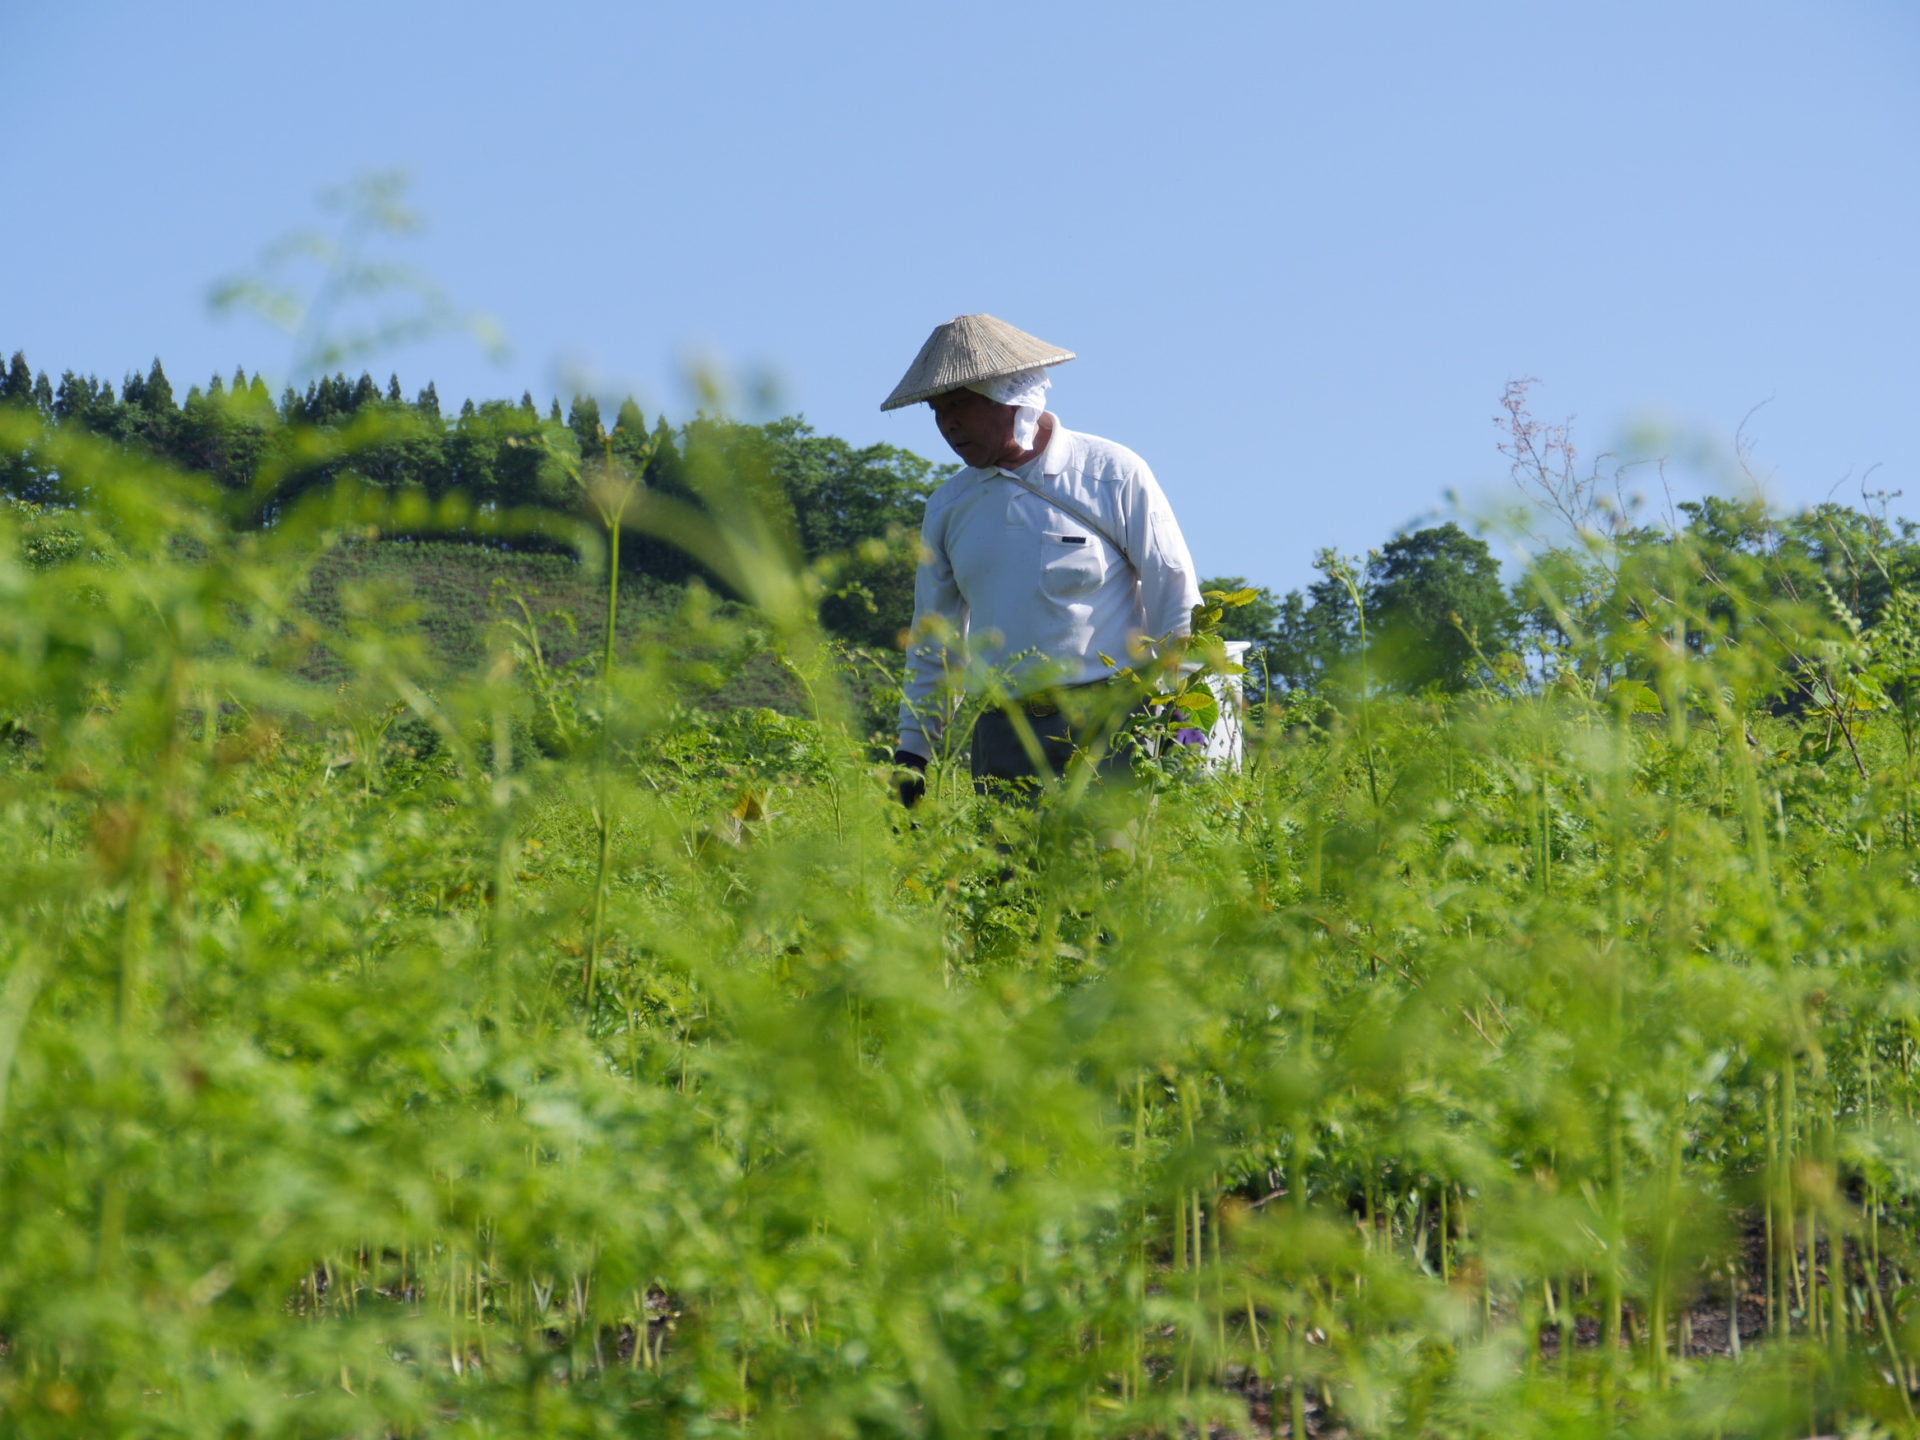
x: 1788, y: 1121
x: 1352, y: 583
x: 613, y: 516
x: 1616, y: 1184
x: 1836, y: 1240
x: 1296, y: 1386
x: 603, y: 807
x: 1775, y: 1277
x: 112, y: 1197
x: 500, y: 795
x: 1616, y: 1207
x: 1906, y: 770
x: 1663, y: 1265
x: 1138, y: 1373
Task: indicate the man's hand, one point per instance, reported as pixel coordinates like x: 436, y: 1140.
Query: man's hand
x: 912, y: 785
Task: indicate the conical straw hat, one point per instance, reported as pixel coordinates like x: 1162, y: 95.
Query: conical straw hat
x: 966, y: 350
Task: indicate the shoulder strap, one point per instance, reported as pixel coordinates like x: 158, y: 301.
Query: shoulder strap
x: 1075, y: 509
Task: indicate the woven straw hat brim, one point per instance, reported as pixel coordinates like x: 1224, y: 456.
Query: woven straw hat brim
x: 966, y: 351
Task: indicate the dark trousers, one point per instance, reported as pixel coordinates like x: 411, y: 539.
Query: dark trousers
x: 1069, y: 727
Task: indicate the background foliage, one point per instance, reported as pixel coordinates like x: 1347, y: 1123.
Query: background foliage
x: 404, y: 1035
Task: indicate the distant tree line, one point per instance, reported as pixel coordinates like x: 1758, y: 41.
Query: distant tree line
x: 1421, y: 611
x: 1427, y: 611
x: 1430, y: 611
x: 267, y: 453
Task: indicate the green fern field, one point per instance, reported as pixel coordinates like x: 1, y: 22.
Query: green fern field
x: 398, y: 1041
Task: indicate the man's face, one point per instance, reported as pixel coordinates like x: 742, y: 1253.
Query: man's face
x: 979, y: 430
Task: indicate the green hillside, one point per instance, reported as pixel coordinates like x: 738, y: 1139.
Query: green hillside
x: 457, y: 597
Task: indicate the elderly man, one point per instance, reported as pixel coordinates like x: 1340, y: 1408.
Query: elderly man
x: 1051, y: 560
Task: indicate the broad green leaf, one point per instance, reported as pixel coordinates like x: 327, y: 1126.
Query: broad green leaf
x: 1634, y: 697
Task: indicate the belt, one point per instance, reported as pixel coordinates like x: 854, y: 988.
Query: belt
x: 1045, y: 704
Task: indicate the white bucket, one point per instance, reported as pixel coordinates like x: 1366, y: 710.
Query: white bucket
x: 1226, y: 741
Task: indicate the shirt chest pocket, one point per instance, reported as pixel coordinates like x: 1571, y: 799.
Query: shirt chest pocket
x: 1073, y: 563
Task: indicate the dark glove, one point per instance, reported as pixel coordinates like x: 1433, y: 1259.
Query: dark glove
x: 912, y: 786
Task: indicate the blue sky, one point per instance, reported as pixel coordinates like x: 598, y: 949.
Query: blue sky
x: 1300, y: 249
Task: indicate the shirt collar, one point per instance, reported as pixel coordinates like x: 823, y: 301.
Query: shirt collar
x: 1053, y: 459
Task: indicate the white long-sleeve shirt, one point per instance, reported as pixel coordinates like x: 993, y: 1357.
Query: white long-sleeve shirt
x: 1027, y: 591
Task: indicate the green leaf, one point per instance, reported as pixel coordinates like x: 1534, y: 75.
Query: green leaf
x: 1634, y: 697
x: 1199, y: 704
